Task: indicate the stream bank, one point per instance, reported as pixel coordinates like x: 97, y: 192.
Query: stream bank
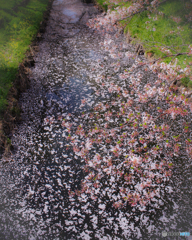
x: 11, y: 115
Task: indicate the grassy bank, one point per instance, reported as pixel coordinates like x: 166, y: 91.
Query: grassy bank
x: 19, y: 23
x: 165, y: 32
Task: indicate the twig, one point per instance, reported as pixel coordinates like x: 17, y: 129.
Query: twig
x: 163, y: 45
x: 131, y: 16
x: 171, y: 55
x: 156, y: 60
x: 140, y: 11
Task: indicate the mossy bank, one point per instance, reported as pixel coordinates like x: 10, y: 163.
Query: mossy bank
x: 22, y: 23
x: 164, y: 33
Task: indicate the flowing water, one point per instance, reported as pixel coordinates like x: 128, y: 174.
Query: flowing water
x: 35, y: 202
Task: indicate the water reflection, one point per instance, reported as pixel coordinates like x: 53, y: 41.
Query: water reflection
x: 71, y: 14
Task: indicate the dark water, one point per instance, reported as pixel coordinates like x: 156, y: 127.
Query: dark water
x: 35, y: 181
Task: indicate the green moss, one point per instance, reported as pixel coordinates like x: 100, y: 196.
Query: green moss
x: 190, y: 84
x: 164, y: 31
x: 9, y: 141
x: 102, y: 3
x: 186, y: 82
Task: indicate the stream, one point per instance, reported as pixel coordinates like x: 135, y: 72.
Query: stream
x: 35, y: 181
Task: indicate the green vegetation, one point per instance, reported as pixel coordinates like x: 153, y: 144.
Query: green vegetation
x: 165, y: 32
x: 102, y: 4
x: 19, y: 23
x: 170, y: 30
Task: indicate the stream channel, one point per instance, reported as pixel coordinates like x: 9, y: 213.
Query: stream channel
x: 35, y: 202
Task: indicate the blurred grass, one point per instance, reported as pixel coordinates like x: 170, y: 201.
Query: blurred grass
x: 19, y: 23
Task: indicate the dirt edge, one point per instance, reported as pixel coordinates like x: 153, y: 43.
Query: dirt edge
x: 11, y: 115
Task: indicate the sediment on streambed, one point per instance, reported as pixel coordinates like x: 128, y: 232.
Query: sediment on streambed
x: 11, y: 115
